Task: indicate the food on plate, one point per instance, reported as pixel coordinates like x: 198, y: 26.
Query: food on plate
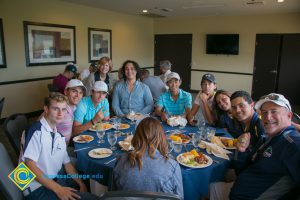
x: 184, y: 138
x: 228, y: 142
x: 102, y: 126
x: 175, y: 138
x: 84, y: 138
x: 124, y: 126
x: 193, y: 158
x: 101, y: 152
x: 177, y: 121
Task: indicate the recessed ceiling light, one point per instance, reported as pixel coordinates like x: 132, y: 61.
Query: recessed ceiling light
x: 280, y: 1
x: 145, y: 11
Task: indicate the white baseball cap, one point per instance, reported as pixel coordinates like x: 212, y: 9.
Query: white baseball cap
x: 75, y: 83
x: 173, y: 75
x: 100, y: 86
x: 278, y: 99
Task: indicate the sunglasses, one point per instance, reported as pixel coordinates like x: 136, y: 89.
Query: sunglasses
x: 275, y: 97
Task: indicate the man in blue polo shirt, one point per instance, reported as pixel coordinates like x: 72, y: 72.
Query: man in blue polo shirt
x: 91, y: 109
x: 44, y: 152
x: 175, y: 101
x: 272, y: 170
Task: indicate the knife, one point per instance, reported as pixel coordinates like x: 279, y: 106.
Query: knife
x: 85, y: 148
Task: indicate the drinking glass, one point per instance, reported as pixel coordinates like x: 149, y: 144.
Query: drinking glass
x: 195, y: 140
x: 177, y: 147
x: 112, y: 140
x: 100, y: 135
x: 131, y: 116
x: 211, y: 133
x: 171, y: 147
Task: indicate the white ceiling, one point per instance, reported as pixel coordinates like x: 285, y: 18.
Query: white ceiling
x: 181, y: 8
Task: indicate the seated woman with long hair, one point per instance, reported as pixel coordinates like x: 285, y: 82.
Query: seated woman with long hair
x: 147, y: 167
x: 224, y: 117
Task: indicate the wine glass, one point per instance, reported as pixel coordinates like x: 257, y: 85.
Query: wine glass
x: 100, y: 134
x: 112, y: 140
x: 131, y: 116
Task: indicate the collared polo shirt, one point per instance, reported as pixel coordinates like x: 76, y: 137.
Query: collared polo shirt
x: 177, y: 107
x: 46, y: 147
x: 85, y: 110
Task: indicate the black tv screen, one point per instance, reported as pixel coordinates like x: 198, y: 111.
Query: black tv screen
x: 227, y: 44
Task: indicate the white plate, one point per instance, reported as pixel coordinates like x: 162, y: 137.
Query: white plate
x: 125, y: 126
x: 210, y: 161
x: 94, y: 127
x: 100, y: 153
x: 83, y: 138
x: 233, y: 147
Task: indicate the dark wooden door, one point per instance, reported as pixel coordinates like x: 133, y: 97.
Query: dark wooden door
x: 266, y: 64
x: 177, y: 48
x: 289, y: 73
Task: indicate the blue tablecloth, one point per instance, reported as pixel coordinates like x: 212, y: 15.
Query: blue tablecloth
x: 195, y: 181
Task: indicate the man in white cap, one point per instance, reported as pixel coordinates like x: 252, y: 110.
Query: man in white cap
x: 175, y: 101
x: 92, y: 109
x: 74, y: 91
x: 272, y: 170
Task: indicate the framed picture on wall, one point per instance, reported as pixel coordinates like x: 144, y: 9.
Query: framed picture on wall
x: 49, y: 44
x: 2, y: 47
x: 99, y: 43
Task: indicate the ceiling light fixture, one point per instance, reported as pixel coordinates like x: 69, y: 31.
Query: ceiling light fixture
x: 280, y: 1
x: 145, y: 11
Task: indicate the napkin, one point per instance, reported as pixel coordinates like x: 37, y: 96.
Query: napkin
x: 126, y: 144
x: 214, y: 149
x: 216, y: 140
x: 177, y: 121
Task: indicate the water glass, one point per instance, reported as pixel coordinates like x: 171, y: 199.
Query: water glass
x: 112, y: 140
x: 211, y: 133
x: 177, y: 147
x: 100, y: 135
x: 171, y: 147
x: 195, y: 139
x: 131, y: 116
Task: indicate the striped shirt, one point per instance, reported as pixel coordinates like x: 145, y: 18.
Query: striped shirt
x: 177, y: 107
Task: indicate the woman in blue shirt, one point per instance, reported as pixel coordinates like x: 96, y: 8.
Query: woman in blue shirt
x: 147, y: 167
x: 130, y: 94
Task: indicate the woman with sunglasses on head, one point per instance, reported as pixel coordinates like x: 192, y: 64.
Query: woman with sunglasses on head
x: 224, y: 118
x: 147, y: 167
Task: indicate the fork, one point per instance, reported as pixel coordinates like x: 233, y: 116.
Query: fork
x: 106, y: 163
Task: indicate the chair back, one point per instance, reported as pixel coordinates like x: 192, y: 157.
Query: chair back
x: 14, y: 125
x: 296, y: 118
x: 52, y: 88
x: 9, y: 190
x: 1, y: 105
x: 138, y: 195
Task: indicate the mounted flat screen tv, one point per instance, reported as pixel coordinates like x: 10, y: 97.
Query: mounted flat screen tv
x: 227, y: 44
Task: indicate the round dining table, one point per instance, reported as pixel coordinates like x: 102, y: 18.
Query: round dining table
x: 195, y: 180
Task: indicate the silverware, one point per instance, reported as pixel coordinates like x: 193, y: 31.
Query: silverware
x: 84, y: 148
x: 216, y: 161
x: 106, y: 163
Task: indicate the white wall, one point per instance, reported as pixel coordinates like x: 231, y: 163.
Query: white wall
x: 132, y: 38
x: 246, y: 26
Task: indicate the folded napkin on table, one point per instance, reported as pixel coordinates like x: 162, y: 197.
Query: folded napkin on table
x: 177, y: 121
x: 216, y: 140
x: 126, y: 144
x: 214, y: 149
